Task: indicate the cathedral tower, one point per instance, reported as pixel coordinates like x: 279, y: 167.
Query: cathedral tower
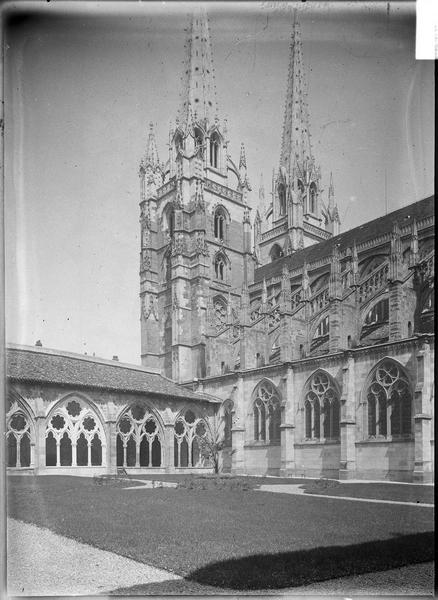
x: 297, y: 213
x: 196, y: 232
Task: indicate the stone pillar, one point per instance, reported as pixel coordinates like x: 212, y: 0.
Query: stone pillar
x: 237, y: 430
x: 111, y: 447
x: 287, y: 427
x: 40, y: 444
x: 347, y: 468
x: 168, y: 461
x: 422, y: 414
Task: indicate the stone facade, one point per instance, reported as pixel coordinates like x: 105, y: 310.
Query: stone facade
x: 319, y: 343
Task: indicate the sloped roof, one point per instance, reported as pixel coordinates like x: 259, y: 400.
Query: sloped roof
x: 367, y: 231
x: 41, y: 365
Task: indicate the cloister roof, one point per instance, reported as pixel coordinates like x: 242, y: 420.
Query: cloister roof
x: 367, y: 231
x: 43, y: 365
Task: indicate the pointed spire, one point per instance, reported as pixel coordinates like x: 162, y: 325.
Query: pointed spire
x: 295, y: 145
x: 414, y: 242
x: 198, y: 93
x: 261, y: 190
x: 242, y: 160
x: 355, y: 263
x: 151, y: 154
x: 331, y: 193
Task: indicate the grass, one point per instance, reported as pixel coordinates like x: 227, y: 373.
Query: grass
x: 376, y: 491
x: 231, y: 539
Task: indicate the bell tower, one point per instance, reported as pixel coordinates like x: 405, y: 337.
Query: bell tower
x: 196, y: 232
x: 297, y: 211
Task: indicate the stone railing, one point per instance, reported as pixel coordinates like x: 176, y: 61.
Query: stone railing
x: 319, y: 300
x: 223, y: 191
x: 166, y: 188
x: 267, y: 235
x: 373, y: 283
x: 295, y: 299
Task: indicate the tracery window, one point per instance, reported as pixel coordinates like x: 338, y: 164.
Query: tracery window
x: 321, y: 408
x: 219, y: 266
x: 139, y: 438
x: 18, y: 435
x: 219, y: 224
x: 214, y: 150
x: 188, y: 432
x: 220, y: 313
x: 267, y: 414
x: 282, y: 199
x: 389, y: 402
x: 74, y: 436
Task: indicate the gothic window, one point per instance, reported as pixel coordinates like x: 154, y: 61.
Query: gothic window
x: 189, y: 431
x: 389, y: 402
x: 220, y: 266
x: 321, y: 408
x: 300, y: 186
x: 179, y: 143
x: 18, y: 436
x: 199, y: 141
x: 214, y: 150
x: 139, y: 438
x: 74, y: 436
x: 276, y: 252
x: 267, y: 414
x: 312, y: 198
x: 282, y: 199
x: 219, y: 224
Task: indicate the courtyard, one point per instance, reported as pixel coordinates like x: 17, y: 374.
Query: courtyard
x: 218, y: 536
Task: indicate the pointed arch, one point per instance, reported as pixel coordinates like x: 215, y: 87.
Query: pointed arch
x: 221, y: 266
x: 140, y: 436
x: 220, y: 307
x: 276, y: 252
x: 75, y: 433
x: 321, y: 404
x: 20, y: 432
x: 320, y: 334
x: 190, y: 429
x: 266, y: 412
x: 388, y: 401
x: 281, y: 193
x: 215, y: 150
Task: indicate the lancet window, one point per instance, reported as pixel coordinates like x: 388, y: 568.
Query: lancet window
x: 139, y: 438
x: 312, y: 198
x: 267, y: 414
x: 19, y: 435
x: 282, y: 199
x: 219, y: 224
x: 74, y: 436
x: 189, y: 431
x: 214, y: 150
x: 321, y: 408
x: 389, y: 402
x: 220, y: 266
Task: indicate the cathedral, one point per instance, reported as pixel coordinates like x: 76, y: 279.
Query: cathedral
x: 312, y: 348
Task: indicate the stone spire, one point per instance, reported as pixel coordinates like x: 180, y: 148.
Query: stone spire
x: 151, y: 154
x: 198, y: 99
x: 331, y: 193
x: 295, y: 146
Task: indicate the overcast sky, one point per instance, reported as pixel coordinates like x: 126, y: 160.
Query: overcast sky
x: 82, y: 84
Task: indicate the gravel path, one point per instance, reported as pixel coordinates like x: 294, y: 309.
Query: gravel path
x: 42, y: 563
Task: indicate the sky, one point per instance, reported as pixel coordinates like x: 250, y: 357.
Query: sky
x: 83, y: 81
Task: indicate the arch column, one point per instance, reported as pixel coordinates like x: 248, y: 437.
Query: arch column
x: 287, y: 427
x: 347, y: 467
x: 111, y: 447
x: 168, y: 449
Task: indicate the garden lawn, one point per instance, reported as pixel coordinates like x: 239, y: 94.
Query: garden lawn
x: 243, y: 540
x: 376, y: 491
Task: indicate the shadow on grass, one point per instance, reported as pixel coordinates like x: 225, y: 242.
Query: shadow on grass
x: 301, y: 567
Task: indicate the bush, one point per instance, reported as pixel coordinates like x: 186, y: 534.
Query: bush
x: 319, y: 486
x: 216, y: 482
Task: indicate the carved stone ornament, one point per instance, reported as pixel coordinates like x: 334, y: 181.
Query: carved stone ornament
x: 150, y: 307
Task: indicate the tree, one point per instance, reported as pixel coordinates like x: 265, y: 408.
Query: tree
x: 212, y: 443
